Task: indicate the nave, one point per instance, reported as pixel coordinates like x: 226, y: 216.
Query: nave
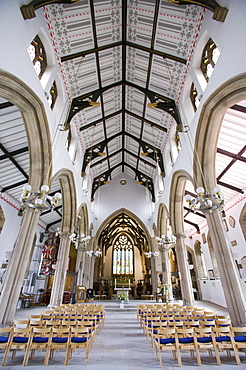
x: 122, y: 345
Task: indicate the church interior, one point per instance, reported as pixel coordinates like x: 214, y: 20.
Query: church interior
x: 122, y: 154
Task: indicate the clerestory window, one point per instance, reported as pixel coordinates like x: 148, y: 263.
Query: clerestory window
x: 210, y: 57
x: 37, y: 55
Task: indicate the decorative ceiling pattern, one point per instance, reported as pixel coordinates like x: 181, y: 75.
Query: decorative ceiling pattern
x: 123, y: 55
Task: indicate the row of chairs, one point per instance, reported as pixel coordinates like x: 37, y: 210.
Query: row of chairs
x: 53, y: 330
x: 195, y: 340
x: 175, y: 327
x: 48, y: 339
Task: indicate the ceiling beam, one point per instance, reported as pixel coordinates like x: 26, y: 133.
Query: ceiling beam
x: 15, y: 163
x: 15, y: 152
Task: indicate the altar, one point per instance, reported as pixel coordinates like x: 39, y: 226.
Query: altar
x: 123, y: 290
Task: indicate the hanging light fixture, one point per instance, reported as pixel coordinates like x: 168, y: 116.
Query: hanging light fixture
x: 92, y: 253
x: 166, y: 240
x: 206, y: 202
x: 39, y: 200
x: 79, y: 239
x: 151, y: 254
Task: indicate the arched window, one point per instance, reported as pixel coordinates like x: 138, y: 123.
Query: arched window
x: 194, y: 97
x: 52, y: 95
x: 2, y: 219
x: 38, y: 56
x: 210, y: 57
x: 123, y: 256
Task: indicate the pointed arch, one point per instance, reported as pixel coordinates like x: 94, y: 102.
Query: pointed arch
x: 176, y: 200
x: 162, y: 219
x: 242, y: 221
x: 131, y: 215
x: 36, y: 125
x: 83, y: 219
x: 210, y: 121
x: 69, y: 197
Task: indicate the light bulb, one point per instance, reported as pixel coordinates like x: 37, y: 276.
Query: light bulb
x: 38, y: 202
x: 27, y: 187
x: 187, y: 198
x: 217, y: 189
x: 200, y: 190
x: 45, y: 188
x: 58, y: 196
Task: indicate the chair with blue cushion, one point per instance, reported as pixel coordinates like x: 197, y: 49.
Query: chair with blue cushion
x: 19, y: 340
x: 223, y: 340
x: 239, y: 340
x: 79, y: 338
x: 59, y: 339
x: 203, y: 341
x: 5, y: 337
x: 184, y: 340
x: 39, y: 341
x: 165, y: 341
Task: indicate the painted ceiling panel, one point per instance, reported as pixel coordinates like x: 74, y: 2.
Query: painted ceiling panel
x: 108, y: 21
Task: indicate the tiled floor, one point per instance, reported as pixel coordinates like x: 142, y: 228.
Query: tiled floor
x: 122, y: 345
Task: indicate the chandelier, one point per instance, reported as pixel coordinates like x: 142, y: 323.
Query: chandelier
x: 39, y: 200
x: 205, y: 201
x: 151, y: 254
x: 79, y: 239
x: 92, y: 253
x: 166, y: 240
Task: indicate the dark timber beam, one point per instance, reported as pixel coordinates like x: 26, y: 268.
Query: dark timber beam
x: 103, y: 179
x: 28, y: 10
x: 219, y: 11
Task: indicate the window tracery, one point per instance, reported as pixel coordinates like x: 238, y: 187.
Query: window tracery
x: 37, y: 55
x: 123, y: 256
x: 210, y: 57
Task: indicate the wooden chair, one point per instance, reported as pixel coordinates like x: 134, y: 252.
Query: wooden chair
x: 222, y: 323
x: 59, y: 339
x: 79, y: 338
x: 5, y: 337
x: 165, y: 341
x: 207, y: 323
x: 223, y: 340
x: 20, y: 338
x: 39, y: 341
x: 203, y: 341
x: 21, y: 323
x: 184, y: 341
x: 239, y: 341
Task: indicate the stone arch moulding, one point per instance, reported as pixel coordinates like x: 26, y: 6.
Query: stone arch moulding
x: 209, y: 124
x: 242, y: 221
x: 69, y: 197
x: 36, y: 125
x: 128, y: 213
x: 162, y: 220
x: 83, y: 222
x: 176, y: 200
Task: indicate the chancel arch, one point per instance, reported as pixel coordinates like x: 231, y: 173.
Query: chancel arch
x: 123, y: 240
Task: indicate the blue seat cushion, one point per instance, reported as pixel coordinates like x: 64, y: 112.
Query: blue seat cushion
x: 20, y: 340
x: 224, y: 338
x: 186, y: 340
x: 3, y: 339
x: 240, y: 338
x: 204, y: 339
x: 59, y: 340
x: 40, y: 340
x: 166, y: 340
x: 79, y: 339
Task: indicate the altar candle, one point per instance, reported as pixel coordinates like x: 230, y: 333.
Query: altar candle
x: 115, y: 283
x: 129, y: 283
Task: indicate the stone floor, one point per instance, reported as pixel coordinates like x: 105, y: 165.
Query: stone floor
x: 121, y: 345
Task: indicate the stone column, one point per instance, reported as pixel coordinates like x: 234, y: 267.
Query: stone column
x: 183, y: 266
x: 60, y: 271
x: 15, y: 273
x: 234, y: 294
x: 166, y: 270
x: 80, y: 262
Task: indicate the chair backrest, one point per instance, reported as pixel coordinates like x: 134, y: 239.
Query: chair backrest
x: 21, y: 323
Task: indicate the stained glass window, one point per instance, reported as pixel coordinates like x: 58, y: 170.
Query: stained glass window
x: 210, y: 57
x: 194, y: 97
x: 123, y: 256
x: 37, y: 55
x: 52, y: 95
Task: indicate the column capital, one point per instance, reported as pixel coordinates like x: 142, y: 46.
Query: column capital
x: 165, y: 247
x: 180, y: 235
